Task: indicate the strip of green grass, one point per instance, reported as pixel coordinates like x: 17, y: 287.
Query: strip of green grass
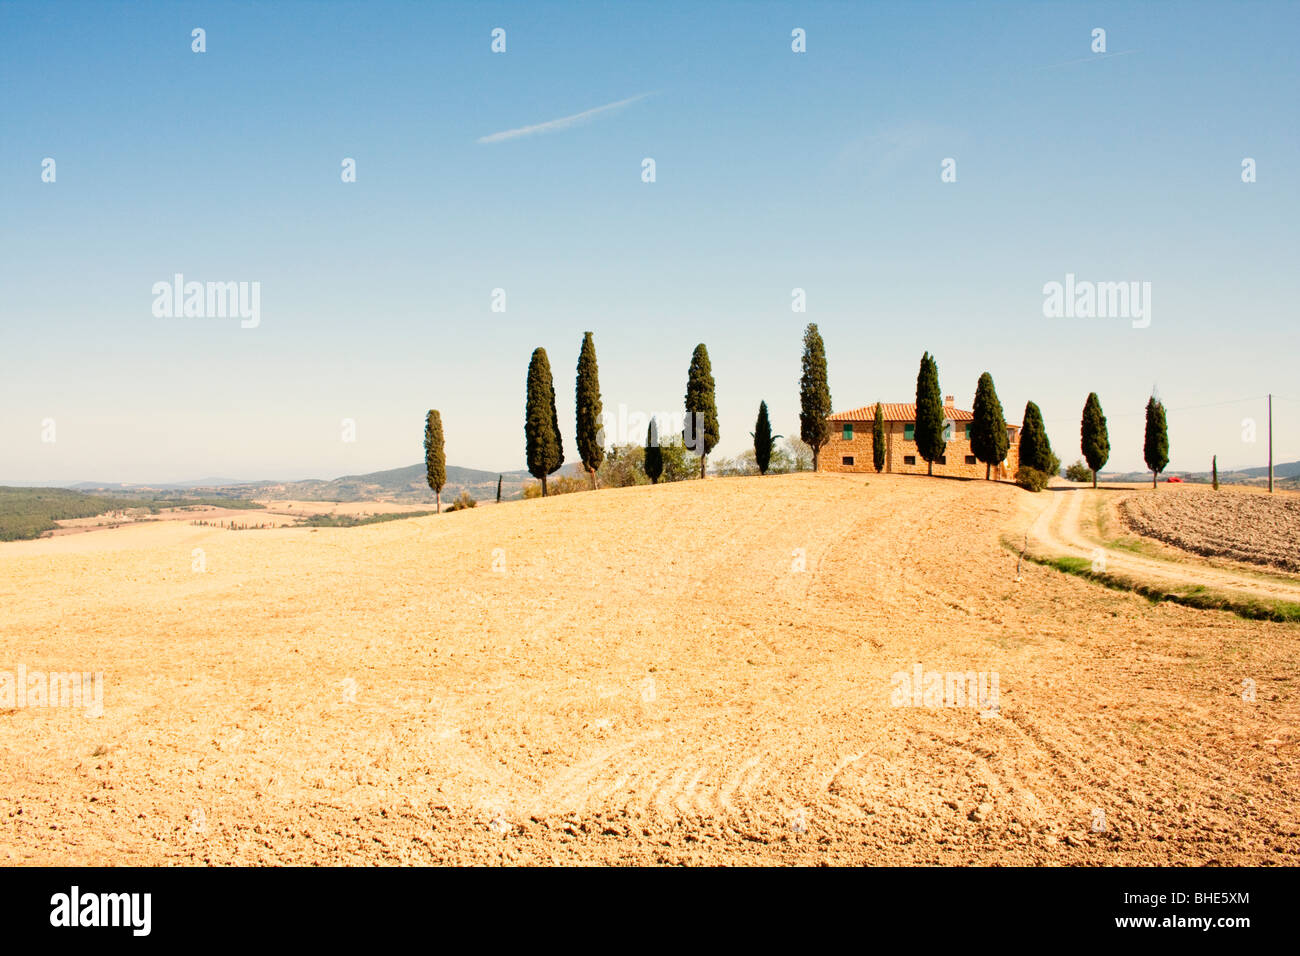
x: 1192, y: 595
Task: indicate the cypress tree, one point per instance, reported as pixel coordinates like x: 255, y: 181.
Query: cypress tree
x: 591, y: 448
x: 1095, y: 438
x: 988, y: 433
x: 499, y: 477
x: 1035, y: 449
x: 435, y: 456
x: 701, y: 431
x: 878, y: 439
x: 814, y: 395
x: 929, y: 413
x: 654, y: 453
x: 1214, y: 468
x: 1155, y: 449
x: 542, y: 442
x: 763, y: 439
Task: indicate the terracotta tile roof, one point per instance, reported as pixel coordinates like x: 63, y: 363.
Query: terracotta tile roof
x: 896, y: 412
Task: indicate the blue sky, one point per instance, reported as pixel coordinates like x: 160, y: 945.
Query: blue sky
x: 774, y: 170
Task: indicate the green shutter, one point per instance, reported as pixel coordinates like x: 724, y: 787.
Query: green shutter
x: 848, y: 432
x: 968, y: 426
x: 909, y: 432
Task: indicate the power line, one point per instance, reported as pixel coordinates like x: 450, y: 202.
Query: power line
x: 1191, y: 408
x: 1234, y: 401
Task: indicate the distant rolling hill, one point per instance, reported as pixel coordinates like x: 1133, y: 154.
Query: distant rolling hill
x: 396, y: 484
x: 29, y: 512
x: 1286, y: 475
x: 1289, y: 470
x: 162, y: 486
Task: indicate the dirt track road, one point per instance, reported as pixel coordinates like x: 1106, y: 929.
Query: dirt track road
x: 689, y: 673
x: 1056, y: 531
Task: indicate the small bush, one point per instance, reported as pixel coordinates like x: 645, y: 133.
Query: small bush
x: 558, y: 485
x: 1031, y: 479
x: 1079, y: 472
x: 746, y: 464
x: 463, y: 501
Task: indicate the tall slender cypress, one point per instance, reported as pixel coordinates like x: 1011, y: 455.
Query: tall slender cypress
x: 878, y: 439
x: 654, y: 453
x: 930, y: 444
x: 988, y: 433
x: 1094, y: 439
x: 763, y: 440
x: 701, y: 429
x: 1035, y: 449
x: 542, y: 442
x: 814, y: 395
x: 1155, y: 449
x: 435, y: 455
x: 588, y: 434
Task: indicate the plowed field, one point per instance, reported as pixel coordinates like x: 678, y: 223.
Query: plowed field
x: 1238, y: 523
x: 696, y: 672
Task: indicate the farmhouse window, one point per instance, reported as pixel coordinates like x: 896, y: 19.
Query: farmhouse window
x: 848, y: 432
x: 909, y: 433
x: 941, y: 460
x: 968, y: 428
x: 970, y: 459
x: 848, y: 459
x: 909, y: 459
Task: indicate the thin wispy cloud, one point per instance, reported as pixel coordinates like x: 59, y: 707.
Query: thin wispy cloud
x: 564, y: 122
x: 1086, y: 59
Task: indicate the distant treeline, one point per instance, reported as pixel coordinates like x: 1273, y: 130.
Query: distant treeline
x: 353, y: 521
x: 30, y: 512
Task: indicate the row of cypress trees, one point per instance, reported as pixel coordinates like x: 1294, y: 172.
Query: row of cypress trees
x: 545, y: 450
x: 989, y: 439
x: 544, y: 447
x: 1094, y: 439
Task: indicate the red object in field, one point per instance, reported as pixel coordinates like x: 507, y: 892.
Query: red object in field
x: 1174, y: 480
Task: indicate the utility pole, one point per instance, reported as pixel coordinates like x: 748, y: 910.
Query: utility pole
x: 1270, y: 443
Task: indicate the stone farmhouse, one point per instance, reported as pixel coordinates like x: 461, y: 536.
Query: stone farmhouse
x: 850, y: 445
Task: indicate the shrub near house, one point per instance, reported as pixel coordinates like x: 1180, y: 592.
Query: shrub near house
x: 1078, y: 472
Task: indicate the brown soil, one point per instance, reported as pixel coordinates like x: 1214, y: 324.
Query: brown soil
x: 1244, y: 525
x: 698, y: 672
